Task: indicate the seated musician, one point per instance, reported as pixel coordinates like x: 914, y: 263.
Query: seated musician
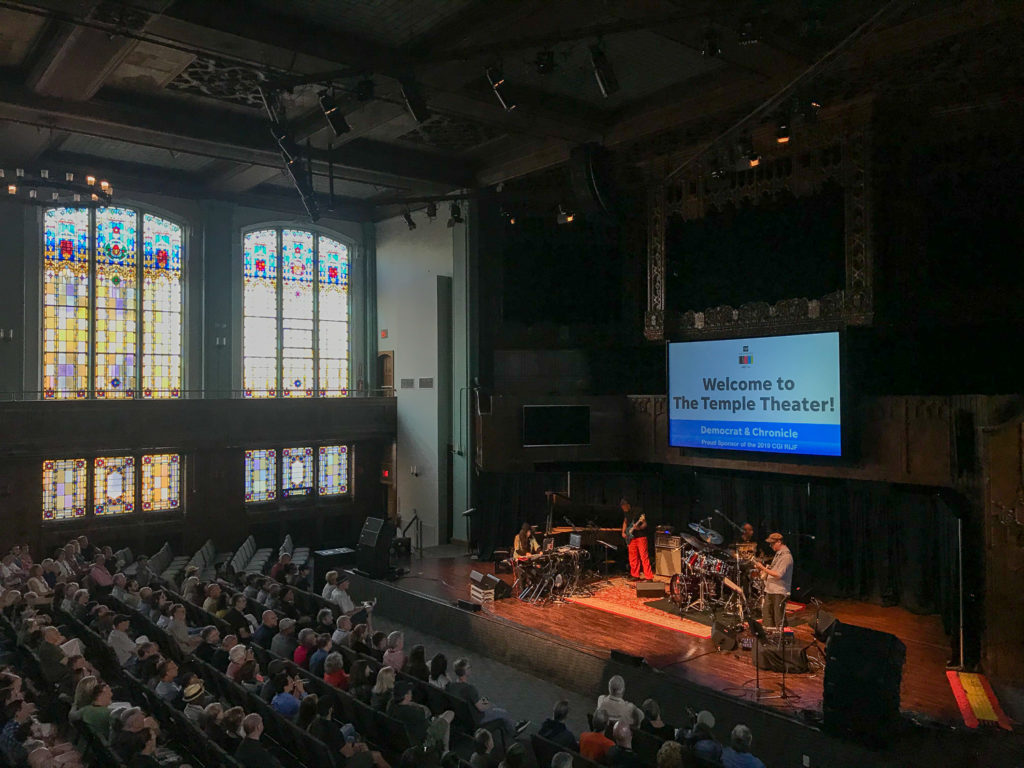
x: 525, y: 543
x: 746, y: 545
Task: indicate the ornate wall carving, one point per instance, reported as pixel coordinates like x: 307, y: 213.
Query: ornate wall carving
x: 654, y: 318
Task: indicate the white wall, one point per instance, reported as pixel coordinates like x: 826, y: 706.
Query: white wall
x: 408, y: 264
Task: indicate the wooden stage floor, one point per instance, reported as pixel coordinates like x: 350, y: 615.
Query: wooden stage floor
x: 925, y: 689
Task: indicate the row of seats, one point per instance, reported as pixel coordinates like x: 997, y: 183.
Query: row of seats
x: 248, y: 559
x: 300, y: 555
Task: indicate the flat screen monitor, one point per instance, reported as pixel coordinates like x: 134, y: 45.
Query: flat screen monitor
x: 553, y: 425
x: 771, y: 394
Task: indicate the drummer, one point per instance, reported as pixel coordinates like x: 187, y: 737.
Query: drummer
x: 746, y: 545
x: 525, y: 543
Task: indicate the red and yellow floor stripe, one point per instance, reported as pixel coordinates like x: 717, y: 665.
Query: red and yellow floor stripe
x: 978, y: 703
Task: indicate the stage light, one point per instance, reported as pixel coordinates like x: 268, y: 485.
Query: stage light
x: 565, y: 216
x: 782, y: 133
x: 408, y: 221
x: 90, y: 180
x: 603, y: 71
x: 497, y: 80
x: 455, y: 215
x: 545, y: 62
x: 365, y: 89
x: 753, y: 160
x: 709, y: 43
x: 12, y: 189
x: 431, y: 210
x: 414, y: 100
x: 104, y: 185
x: 33, y: 194
x: 332, y: 114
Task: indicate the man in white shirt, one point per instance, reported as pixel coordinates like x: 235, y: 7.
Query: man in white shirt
x: 616, y: 706
x: 778, y: 582
x: 119, y: 641
x: 341, y: 633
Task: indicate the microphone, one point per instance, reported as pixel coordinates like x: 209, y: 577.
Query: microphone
x: 569, y: 522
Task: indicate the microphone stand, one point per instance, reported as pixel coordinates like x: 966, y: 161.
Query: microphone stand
x: 419, y: 531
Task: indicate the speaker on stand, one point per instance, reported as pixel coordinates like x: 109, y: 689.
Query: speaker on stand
x: 373, y: 554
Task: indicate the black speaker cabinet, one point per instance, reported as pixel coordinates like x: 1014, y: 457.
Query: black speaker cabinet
x: 771, y: 657
x: 337, y: 559
x: 723, y: 637
x: 862, y: 682
x: 650, y: 590
x: 373, y: 552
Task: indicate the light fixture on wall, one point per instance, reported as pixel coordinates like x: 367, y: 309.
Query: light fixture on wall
x: 565, y: 216
x: 455, y: 215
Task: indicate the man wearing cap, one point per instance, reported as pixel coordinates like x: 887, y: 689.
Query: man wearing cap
x: 194, y: 696
x: 778, y: 582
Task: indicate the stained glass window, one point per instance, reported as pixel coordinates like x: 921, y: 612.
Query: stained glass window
x: 66, y: 246
x: 296, y: 317
x: 113, y: 485
x: 259, y: 343
x: 161, y: 307
x: 64, y: 482
x: 92, y: 313
x: 297, y: 313
x: 333, y: 470
x: 297, y: 471
x: 333, y: 319
x: 161, y: 482
x: 261, y: 475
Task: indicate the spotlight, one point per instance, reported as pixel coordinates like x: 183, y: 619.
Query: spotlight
x: 709, y: 43
x: 782, y: 133
x: 603, y: 71
x: 12, y: 189
x: 408, y: 220
x: 414, y: 100
x: 455, y: 215
x: 753, y: 160
x: 545, y: 62
x: 365, y: 89
x: 431, y: 210
x: 509, y: 218
x: 564, y: 216
x: 747, y: 35
x: 332, y: 114
x: 284, y: 143
x: 497, y: 79
x: 746, y: 156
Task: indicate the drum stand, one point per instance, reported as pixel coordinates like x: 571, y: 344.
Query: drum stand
x: 701, y: 604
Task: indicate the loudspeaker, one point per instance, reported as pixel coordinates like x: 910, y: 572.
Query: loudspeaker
x: 668, y: 561
x: 373, y: 552
x: 722, y: 638
x: 650, y: 590
x: 627, y: 658
x: 491, y: 582
x: 824, y: 623
x: 469, y: 605
x: 590, y: 177
x: 862, y: 682
x: 771, y: 658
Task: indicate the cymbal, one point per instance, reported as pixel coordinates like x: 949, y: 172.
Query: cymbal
x: 707, y: 535
x: 694, y: 542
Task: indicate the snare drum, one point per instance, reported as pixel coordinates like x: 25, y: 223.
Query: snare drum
x: 691, y: 559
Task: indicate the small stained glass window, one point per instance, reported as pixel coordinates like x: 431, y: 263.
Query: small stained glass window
x: 64, y: 482
x: 113, y: 485
x: 333, y: 470
x: 260, y: 475
x: 161, y: 482
x: 297, y: 471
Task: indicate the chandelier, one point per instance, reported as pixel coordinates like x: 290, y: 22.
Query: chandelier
x: 45, y: 188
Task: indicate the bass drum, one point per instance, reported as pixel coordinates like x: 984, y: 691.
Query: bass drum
x: 684, y: 588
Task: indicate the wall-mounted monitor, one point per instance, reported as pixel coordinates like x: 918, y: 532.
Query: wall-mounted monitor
x: 771, y: 394
x: 554, y: 425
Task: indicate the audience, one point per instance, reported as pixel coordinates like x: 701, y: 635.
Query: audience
x: 439, y: 671
x: 701, y: 739
x: 305, y: 648
x: 343, y: 627
x: 319, y: 657
x: 483, y: 710
x: 334, y: 671
x: 394, y: 655
x: 652, y: 722
x: 594, y: 745
x: 615, y: 705
x: 483, y: 745
x: 621, y: 754
x: 250, y: 753
x: 267, y: 630
x: 671, y: 754
x: 554, y: 728
x: 737, y: 754
x: 416, y: 666
x: 284, y: 643
x: 381, y: 694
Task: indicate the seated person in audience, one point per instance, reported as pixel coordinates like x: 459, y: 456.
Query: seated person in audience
x: 483, y: 745
x: 212, y: 596
x: 145, y: 757
x: 265, y: 587
x: 515, y: 756
x: 250, y: 753
x: 127, y: 722
x: 191, y: 590
x: 284, y: 642
x: 483, y: 710
x: 286, y: 703
x: 416, y: 717
x: 96, y: 714
x: 80, y: 605
x: 378, y: 644
x: 52, y: 660
x: 36, y: 583
x: 416, y: 666
x: 615, y: 705
x: 209, y: 641
x: 249, y: 676
x: 334, y: 671
x: 221, y: 657
x: 306, y: 647
x: 737, y: 754
x: 99, y: 574
x: 701, y: 738
x: 166, y: 687
x: 253, y: 581
x: 672, y: 754
x: 562, y: 760
x: 359, y: 641
x: 143, y: 574
x: 319, y: 656
x: 236, y: 658
x: 270, y: 684
x: 178, y: 629
x: 120, y: 642
x: 287, y: 603
x: 300, y: 578
x: 359, y: 614
x: 394, y: 653
x: 235, y: 617
x: 230, y: 733
x: 621, y: 755
x: 149, y: 659
x: 361, y: 680
x: 265, y: 632
x: 554, y: 728
x: 355, y: 753
x: 439, y: 671
x: 330, y: 584
x: 594, y: 744
x: 383, y: 688
x: 209, y: 723
x: 652, y: 722
x: 324, y: 621
x: 16, y: 728
x: 79, y: 668
x: 278, y: 569
x: 195, y: 698
x: 343, y: 627
x: 11, y: 571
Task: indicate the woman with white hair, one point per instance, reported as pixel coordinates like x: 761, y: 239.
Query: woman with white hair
x: 616, y: 706
x: 737, y: 754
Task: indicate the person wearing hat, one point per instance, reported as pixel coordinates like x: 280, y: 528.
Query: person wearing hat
x: 119, y: 641
x: 777, y: 583
x: 701, y: 738
x: 194, y: 696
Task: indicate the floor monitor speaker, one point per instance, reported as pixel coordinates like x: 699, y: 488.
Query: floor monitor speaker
x: 650, y: 590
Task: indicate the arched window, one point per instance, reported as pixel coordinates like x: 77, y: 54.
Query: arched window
x: 112, y: 304
x: 295, y: 305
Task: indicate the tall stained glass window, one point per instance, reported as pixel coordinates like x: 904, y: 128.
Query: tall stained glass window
x: 113, y: 485
x: 261, y: 475
x: 96, y: 325
x: 333, y: 470
x: 161, y: 482
x: 161, y: 307
x: 297, y: 471
x: 296, y: 314
x: 64, y: 482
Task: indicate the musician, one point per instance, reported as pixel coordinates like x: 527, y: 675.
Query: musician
x: 746, y: 544
x: 634, y: 531
x: 525, y: 543
x: 778, y: 582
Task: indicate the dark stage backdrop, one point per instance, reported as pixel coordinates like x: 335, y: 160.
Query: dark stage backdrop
x: 875, y: 542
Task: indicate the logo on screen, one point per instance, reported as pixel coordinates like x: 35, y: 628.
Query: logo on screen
x: 746, y: 359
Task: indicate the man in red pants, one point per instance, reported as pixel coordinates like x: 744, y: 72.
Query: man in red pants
x: 634, y: 532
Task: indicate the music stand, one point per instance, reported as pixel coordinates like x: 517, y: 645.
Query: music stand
x: 759, y: 637
x: 606, y: 546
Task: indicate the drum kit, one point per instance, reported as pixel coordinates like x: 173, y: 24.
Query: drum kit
x: 707, y: 568
x: 552, y: 575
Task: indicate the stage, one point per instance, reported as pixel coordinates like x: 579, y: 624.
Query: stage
x: 685, y: 651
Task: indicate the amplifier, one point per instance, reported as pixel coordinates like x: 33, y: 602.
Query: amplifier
x: 668, y: 540
x: 668, y: 561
